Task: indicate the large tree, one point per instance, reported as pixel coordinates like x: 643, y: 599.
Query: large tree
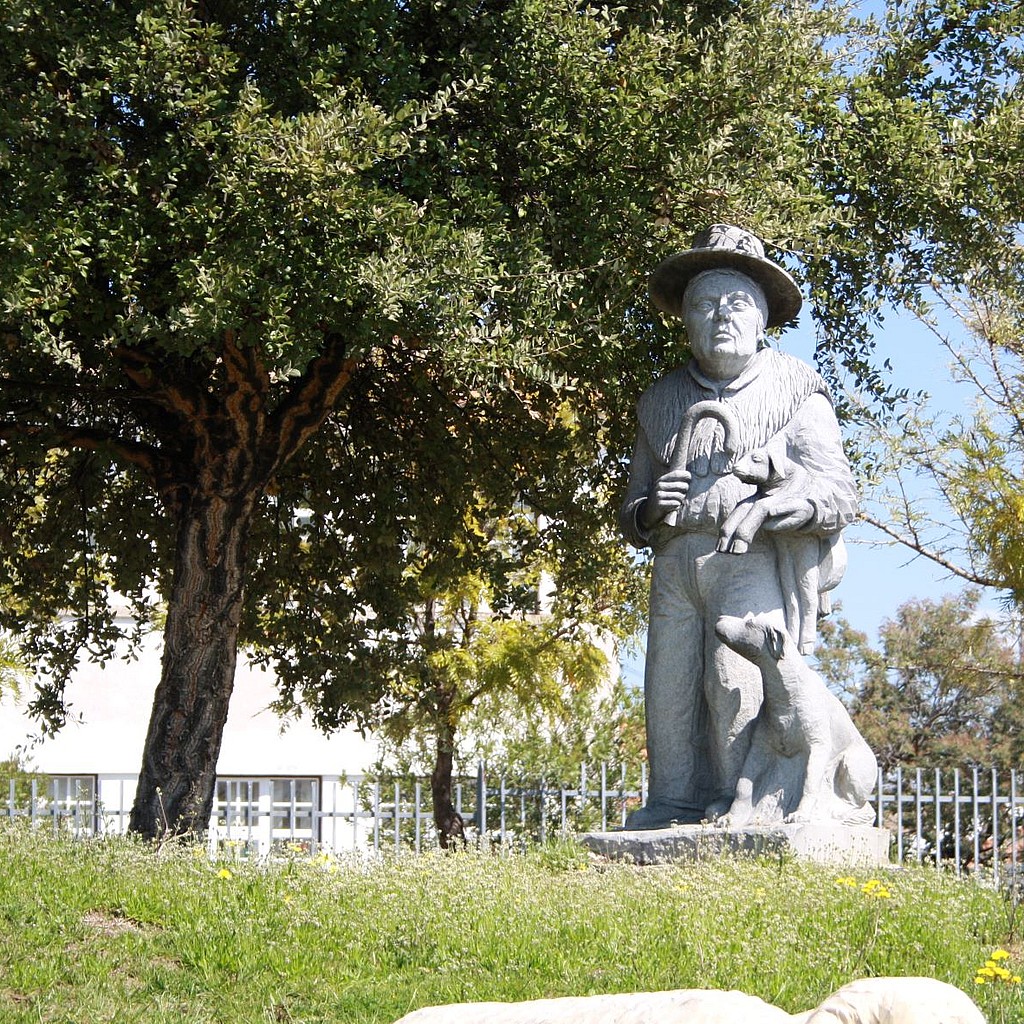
x: 287, y: 287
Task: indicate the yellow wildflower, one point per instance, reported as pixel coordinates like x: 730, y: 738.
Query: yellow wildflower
x: 848, y: 880
x: 996, y: 971
x: 874, y: 888
x: 224, y: 873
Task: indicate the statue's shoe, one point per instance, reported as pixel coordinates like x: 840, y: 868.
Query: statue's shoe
x: 662, y: 815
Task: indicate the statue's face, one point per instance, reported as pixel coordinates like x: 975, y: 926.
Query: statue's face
x: 722, y: 310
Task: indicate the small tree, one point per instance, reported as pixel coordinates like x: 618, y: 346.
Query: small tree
x: 604, y: 728
x: 499, y: 628
x: 947, y: 485
x: 532, y: 740
x: 13, y: 670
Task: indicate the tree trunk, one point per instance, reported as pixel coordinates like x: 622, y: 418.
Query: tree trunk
x: 228, y: 446
x: 190, y: 707
x: 451, y: 829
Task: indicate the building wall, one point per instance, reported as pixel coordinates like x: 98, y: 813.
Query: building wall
x: 279, y: 783
x: 110, y: 708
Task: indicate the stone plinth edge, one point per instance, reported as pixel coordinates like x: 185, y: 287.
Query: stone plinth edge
x: 827, y: 843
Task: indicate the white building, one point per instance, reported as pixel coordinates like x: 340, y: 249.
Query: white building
x: 277, y: 781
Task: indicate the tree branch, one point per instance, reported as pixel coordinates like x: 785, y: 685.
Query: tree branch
x: 309, y: 402
x: 189, y: 404
x: 143, y: 456
x: 247, y: 377
x: 918, y: 546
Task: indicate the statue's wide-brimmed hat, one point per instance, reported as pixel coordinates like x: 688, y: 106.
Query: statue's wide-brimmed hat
x: 725, y: 247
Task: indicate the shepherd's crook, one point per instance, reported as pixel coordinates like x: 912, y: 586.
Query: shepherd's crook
x: 716, y: 410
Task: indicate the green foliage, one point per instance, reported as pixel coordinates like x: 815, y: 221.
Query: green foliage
x: 18, y: 775
x: 109, y: 930
x: 353, y: 271
x: 503, y: 653
x: 603, y: 728
x: 13, y: 671
x: 944, y: 691
x: 522, y: 739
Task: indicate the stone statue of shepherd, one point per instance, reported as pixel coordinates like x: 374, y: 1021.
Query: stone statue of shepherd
x: 739, y: 484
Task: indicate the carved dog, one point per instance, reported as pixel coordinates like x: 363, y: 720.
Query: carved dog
x: 807, y: 761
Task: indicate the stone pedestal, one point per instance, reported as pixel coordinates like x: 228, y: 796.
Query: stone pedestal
x: 825, y: 843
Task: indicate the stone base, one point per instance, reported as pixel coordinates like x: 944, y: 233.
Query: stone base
x: 825, y: 843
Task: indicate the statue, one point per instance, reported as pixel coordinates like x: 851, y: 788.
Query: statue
x: 739, y: 484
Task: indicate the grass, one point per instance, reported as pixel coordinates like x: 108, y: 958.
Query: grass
x: 111, y: 930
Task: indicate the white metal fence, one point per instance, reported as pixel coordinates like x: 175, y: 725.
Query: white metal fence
x: 964, y: 820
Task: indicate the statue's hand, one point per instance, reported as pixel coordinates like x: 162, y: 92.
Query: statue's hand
x: 666, y: 496
x: 786, y: 512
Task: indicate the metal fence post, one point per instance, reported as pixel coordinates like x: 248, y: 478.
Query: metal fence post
x: 501, y: 811
x: 975, y: 811
x: 543, y: 811
x: 416, y: 813
x: 481, y: 801
x: 604, y: 796
x: 1013, y: 824
x: 899, y: 815
x: 376, y: 816
x: 995, y: 827
x: 918, y: 821
x: 398, y: 817
x: 956, y: 820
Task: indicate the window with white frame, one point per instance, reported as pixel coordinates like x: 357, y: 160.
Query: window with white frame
x: 258, y: 815
x: 70, y: 799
